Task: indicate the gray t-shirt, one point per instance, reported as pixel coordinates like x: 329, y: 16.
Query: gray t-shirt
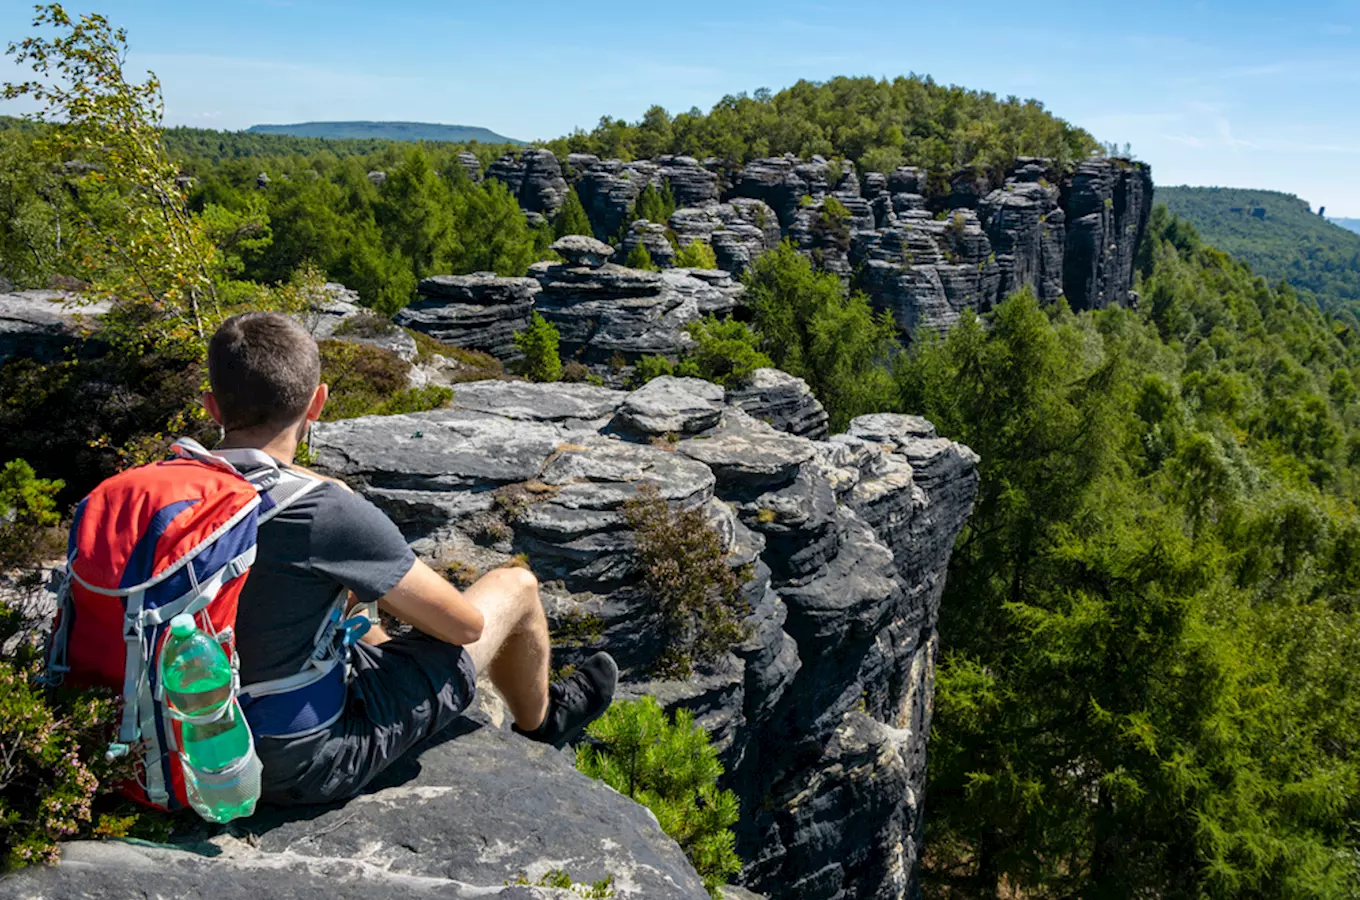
x: 329, y: 539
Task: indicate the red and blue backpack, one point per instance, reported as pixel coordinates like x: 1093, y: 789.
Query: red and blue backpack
x: 179, y: 536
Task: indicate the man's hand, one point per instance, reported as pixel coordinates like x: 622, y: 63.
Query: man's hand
x: 425, y: 600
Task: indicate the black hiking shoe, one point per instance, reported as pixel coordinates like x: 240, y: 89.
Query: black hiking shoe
x: 576, y: 701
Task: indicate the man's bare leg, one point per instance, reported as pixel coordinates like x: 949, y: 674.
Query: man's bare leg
x: 514, y: 650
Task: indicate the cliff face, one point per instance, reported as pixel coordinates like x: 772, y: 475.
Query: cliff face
x: 925, y: 256
x: 822, y: 714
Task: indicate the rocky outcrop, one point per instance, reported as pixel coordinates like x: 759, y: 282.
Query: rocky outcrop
x: 1027, y: 228
x: 604, y: 311
x: 821, y: 714
x: 47, y: 325
x: 651, y: 236
x: 782, y: 401
x: 464, y: 818
x: 1108, y: 203
x: 738, y: 231
x: 478, y: 312
x: 1069, y: 233
x: 534, y: 177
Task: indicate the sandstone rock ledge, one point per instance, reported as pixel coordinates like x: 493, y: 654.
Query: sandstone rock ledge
x: 460, y: 820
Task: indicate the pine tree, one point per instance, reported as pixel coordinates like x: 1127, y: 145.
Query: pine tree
x: 670, y: 767
x: 639, y: 258
x: 654, y: 205
x: 572, y: 218
x: 539, y: 344
x: 696, y: 255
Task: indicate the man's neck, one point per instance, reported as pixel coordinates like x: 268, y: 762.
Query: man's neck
x: 282, y: 446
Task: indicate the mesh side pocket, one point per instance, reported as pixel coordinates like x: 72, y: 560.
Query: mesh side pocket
x: 227, y: 794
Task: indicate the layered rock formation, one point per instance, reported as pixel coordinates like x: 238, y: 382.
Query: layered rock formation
x: 464, y: 818
x: 534, y: 177
x: 604, y: 311
x: 822, y: 712
x: 923, y: 252
x: 477, y: 312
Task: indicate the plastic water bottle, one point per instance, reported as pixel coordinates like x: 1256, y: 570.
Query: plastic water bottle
x: 221, y: 770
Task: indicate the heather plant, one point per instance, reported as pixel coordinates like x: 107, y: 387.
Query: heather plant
x: 669, y: 766
x: 685, y: 570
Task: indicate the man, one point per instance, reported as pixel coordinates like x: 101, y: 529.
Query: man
x: 264, y: 372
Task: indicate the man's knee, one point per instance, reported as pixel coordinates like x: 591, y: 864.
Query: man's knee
x: 516, y: 582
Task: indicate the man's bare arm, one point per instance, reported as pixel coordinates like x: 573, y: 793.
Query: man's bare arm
x: 425, y: 600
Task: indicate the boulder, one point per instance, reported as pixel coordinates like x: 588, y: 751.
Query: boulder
x: 47, y: 325
x: 581, y: 250
x: 466, y: 816
x: 669, y: 405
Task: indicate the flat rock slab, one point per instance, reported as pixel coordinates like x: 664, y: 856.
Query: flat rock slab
x: 461, y: 819
x: 742, y: 449
x: 537, y: 402
x: 669, y: 405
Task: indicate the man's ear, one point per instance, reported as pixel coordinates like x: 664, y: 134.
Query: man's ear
x: 210, y: 404
x: 318, y: 403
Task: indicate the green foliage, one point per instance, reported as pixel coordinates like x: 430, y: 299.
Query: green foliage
x: 28, y: 512
x: 670, y: 767
x: 539, y: 344
x: 879, y: 124
x: 639, y: 258
x: 130, y: 231
x: 1135, y: 697
x: 726, y: 351
x: 571, y: 218
x: 811, y: 328
x: 369, y: 381
x: 696, y: 255
x: 561, y: 880
x: 654, y: 205
x: 685, y: 571
x: 650, y: 367
x: 1319, y: 259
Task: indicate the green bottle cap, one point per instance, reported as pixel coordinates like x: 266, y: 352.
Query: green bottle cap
x: 183, y: 624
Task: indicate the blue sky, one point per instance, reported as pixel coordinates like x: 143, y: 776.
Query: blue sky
x: 1245, y: 94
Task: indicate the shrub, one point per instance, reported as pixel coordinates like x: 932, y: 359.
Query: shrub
x: 650, y: 367
x: 727, y: 351
x: 539, y: 344
x: 639, y: 258
x: 684, y: 569
x: 575, y: 372
x: 28, y: 512
x: 361, y: 377
x: 478, y: 366
x: 696, y: 255
x: 670, y: 767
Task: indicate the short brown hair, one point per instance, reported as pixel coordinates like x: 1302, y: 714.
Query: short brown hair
x: 264, y: 369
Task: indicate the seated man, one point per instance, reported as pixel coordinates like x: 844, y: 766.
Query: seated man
x: 264, y: 372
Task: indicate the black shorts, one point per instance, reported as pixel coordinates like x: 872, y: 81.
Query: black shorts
x: 401, y: 692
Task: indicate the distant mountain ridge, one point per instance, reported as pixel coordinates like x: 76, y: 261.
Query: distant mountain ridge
x: 388, y: 131
x: 1279, y: 236
x: 1348, y: 224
